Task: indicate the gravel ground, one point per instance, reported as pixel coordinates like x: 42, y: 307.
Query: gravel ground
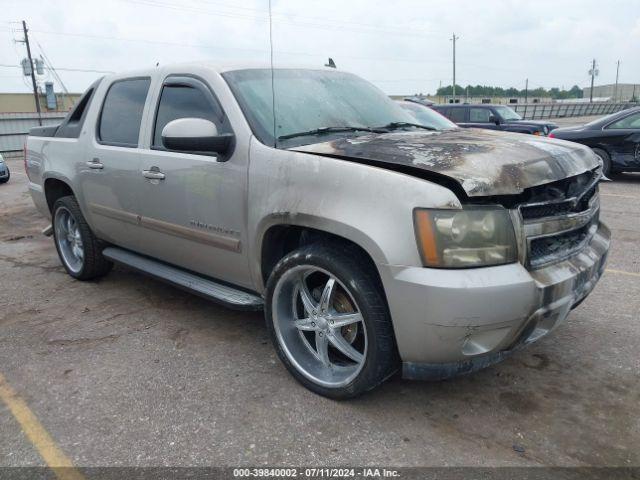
x: 129, y: 371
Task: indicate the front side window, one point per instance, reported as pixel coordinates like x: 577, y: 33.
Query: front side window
x: 122, y: 112
x: 184, y: 101
x: 309, y: 99
x: 507, y: 113
x: 479, y: 115
x: 632, y: 121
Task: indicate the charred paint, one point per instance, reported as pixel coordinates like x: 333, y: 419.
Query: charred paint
x: 482, y: 162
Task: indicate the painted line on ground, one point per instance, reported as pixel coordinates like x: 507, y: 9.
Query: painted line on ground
x: 55, y: 459
x: 622, y: 272
x: 619, y: 195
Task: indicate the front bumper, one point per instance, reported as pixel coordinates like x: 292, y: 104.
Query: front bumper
x: 449, y: 322
x: 4, y: 171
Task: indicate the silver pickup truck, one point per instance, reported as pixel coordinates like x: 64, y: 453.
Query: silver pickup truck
x: 374, y: 243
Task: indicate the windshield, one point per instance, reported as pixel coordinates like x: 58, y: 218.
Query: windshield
x: 427, y: 116
x: 507, y: 113
x: 308, y: 100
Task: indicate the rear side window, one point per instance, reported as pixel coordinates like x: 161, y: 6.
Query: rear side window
x: 184, y: 101
x: 632, y: 121
x: 72, y: 124
x: 479, y: 115
x: 456, y: 115
x: 122, y: 112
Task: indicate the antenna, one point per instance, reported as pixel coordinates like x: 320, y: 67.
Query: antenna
x: 273, y: 88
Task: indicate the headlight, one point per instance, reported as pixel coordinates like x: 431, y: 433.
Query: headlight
x: 473, y: 237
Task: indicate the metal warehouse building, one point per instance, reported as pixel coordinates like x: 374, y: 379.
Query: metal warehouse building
x: 625, y: 91
x: 24, y: 102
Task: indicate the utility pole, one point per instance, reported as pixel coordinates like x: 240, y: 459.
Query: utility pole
x: 615, y: 92
x: 453, y: 39
x: 593, y: 72
x: 33, y: 74
x: 526, y: 90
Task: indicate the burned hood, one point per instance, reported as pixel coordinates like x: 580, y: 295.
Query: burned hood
x: 482, y: 162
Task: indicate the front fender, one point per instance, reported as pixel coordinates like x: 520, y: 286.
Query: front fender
x: 370, y: 206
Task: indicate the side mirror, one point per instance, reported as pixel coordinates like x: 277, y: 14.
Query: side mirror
x: 494, y: 119
x: 195, y: 135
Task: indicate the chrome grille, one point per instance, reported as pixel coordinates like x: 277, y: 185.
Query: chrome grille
x: 557, y: 208
x: 558, y: 229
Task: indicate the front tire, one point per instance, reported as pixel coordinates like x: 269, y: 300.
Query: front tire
x: 329, y: 322
x: 78, y: 248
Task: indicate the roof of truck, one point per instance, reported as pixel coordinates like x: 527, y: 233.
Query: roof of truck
x: 220, y: 67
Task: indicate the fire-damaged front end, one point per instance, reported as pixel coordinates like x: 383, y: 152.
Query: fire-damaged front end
x: 478, y: 295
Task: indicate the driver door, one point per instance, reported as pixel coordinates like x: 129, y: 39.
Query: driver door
x: 193, y: 206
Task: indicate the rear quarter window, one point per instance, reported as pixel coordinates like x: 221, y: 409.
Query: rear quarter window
x: 121, y: 114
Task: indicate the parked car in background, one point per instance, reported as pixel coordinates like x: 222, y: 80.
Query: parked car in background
x: 426, y: 115
x: 372, y: 242
x: 419, y: 99
x: 614, y: 138
x: 493, y: 117
x: 4, y: 171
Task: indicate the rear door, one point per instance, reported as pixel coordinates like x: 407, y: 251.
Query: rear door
x: 458, y: 115
x: 194, y: 215
x: 109, y: 173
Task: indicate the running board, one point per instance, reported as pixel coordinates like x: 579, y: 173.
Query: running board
x: 204, y: 287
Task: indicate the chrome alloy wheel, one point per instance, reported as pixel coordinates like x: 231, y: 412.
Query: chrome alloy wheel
x: 69, y: 240
x: 319, y: 326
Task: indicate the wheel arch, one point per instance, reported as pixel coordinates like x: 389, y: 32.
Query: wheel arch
x: 54, y: 188
x: 278, y: 238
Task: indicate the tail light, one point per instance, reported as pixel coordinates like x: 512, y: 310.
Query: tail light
x: 551, y: 135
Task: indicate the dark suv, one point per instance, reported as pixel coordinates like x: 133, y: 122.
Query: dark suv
x: 494, y: 117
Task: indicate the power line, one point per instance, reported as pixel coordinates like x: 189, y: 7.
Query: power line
x: 84, y: 70
x: 210, y: 47
x: 321, y: 20
x: 50, y: 65
x: 320, y: 25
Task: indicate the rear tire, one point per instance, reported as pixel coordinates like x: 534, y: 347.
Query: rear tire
x: 606, y: 161
x: 338, y: 340
x: 78, y: 248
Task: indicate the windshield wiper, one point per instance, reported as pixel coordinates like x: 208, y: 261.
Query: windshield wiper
x: 397, y: 125
x: 323, y: 130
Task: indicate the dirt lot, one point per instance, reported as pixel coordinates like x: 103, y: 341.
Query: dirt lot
x: 129, y: 371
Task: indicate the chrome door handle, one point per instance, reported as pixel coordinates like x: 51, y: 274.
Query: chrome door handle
x: 95, y: 164
x: 153, y: 173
